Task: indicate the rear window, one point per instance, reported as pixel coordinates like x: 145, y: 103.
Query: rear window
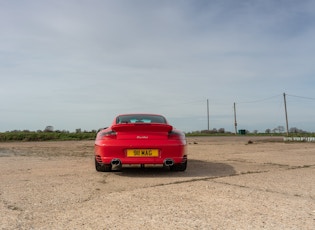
x: 139, y: 118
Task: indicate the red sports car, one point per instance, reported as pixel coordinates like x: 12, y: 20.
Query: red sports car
x: 140, y: 139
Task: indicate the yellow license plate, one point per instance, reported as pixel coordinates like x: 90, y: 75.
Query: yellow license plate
x: 142, y: 152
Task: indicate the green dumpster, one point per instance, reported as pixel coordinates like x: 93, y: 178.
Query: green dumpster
x: 242, y: 131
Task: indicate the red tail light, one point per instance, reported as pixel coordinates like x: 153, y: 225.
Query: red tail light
x: 107, y: 135
x: 176, y: 135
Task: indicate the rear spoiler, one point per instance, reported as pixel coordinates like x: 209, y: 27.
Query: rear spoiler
x: 149, y: 127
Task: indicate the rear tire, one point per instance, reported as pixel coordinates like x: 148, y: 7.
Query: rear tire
x: 102, y: 167
x: 179, y: 167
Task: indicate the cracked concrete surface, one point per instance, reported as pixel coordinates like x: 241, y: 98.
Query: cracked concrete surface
x: 229, y: 184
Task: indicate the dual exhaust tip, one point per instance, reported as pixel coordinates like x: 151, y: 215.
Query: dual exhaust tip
x: 167, y: 162
x: 115, y: 162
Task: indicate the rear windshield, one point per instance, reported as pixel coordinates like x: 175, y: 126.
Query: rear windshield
x: 139, y: 118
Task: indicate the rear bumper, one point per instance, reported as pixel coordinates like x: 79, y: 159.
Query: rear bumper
x: 143, y: 160
x: 105, y: 153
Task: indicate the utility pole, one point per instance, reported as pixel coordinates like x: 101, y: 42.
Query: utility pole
x: 235, y: 123
x: 208, y: 113
x: 286, y: 114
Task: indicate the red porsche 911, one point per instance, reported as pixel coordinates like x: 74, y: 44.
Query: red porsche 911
x: 140, y: 139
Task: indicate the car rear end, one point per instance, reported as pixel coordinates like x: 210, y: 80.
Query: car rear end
x: 141, y: 143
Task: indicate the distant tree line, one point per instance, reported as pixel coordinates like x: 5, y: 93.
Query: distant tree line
x: 214, y: 131
x: 279, y: 130
x: 48, y: 134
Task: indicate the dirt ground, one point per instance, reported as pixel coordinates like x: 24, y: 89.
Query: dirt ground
x: 230, y: 183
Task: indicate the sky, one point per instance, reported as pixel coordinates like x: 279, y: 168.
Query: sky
x: 79, y: 63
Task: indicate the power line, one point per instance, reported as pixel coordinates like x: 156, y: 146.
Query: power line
x: 260, y: 100
x: 309, y: 98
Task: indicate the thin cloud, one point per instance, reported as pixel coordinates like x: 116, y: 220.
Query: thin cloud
x: 100, y: 58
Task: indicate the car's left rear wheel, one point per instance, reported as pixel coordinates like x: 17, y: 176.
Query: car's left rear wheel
x: 102, y: 167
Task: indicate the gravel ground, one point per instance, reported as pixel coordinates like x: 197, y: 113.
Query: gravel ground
x: 230, y: 183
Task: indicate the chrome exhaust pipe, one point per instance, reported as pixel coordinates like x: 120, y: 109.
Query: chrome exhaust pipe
x: 168, y: 162
x: 115, y: 162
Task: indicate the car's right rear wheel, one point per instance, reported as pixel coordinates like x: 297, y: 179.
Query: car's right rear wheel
x: 179, y: 167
